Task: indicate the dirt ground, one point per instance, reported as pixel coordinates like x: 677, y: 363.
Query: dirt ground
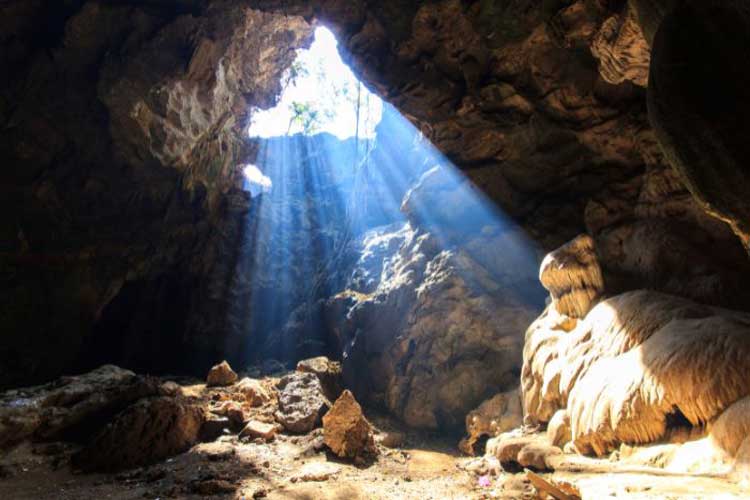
x: 424, y: 467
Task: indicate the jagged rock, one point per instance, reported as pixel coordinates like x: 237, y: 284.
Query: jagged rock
x: 478, y: 278
x: 573, y: 277
x: 301, y: 402
x: 635, y: 361
x: 221, y: 375
x: 498, y: 414
x: 346, y: 430
x: 558, y: 429
x: 70, y: 405
x: 256, y: 429
x: 150, y: 430
x: 327, y: 371
x: 254, y: 392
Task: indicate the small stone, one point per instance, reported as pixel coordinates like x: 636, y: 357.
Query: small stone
x: 257, y: 429
x: 233, y: 411
x: 346, y: 431
x: 221, y: 375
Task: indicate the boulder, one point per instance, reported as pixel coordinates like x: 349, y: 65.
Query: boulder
x: 302, y: 403
x: 69, y: 407
x: 327, y: 371
x: 149, y: 431
x: 346, y: 430
x: 498, y: 414
x: 221, y: 375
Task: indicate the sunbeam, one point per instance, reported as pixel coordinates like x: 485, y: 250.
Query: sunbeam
x: 323, y: 194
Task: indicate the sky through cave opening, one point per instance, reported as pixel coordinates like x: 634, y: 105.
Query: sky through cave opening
x: 338, y: 172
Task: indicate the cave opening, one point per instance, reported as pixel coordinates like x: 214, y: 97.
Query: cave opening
x: 351, y: 206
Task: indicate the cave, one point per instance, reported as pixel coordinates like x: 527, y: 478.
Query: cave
x: 374, y: 249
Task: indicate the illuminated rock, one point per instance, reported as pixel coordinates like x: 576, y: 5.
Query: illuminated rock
x: 253, y: 390
x: 631, y: 364
x: 346, y: 430
x: 301, y: 402
x: 221, y: 375
x: 573, y: 277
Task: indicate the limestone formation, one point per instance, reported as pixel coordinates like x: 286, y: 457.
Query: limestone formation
x: 634, y: 362
x: 302, y: 403
x: 221, y: 375
x: 573, y: 277
x: 498, y: 414
x: 346, y: 430
x: 151, y: 430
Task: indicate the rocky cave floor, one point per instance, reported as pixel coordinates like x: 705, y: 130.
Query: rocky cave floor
x: 246, y: 449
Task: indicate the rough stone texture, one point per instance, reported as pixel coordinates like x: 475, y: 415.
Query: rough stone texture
x: 442, y: 331
x: 70, y: 407
x: 254, y: 392
x: 221, y: 375
x: 636, y: 361
x: 346, y: 430
x: 327, y: 371
x: 498, y: 414
x: 149, y: 431
x: 301, y: 402
x: 622, y: 49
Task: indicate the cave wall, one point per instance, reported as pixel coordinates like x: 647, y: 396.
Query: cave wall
x: 123, y: 124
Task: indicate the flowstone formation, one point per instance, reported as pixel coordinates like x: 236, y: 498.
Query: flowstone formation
x: 635, y: 368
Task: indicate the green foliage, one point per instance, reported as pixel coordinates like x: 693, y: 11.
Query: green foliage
x: 306, y: 116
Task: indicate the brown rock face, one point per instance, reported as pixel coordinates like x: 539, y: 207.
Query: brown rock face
x: 301, y: 402
x: 346, y: 430
x: 221, y: 375
x: 149, y: 431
